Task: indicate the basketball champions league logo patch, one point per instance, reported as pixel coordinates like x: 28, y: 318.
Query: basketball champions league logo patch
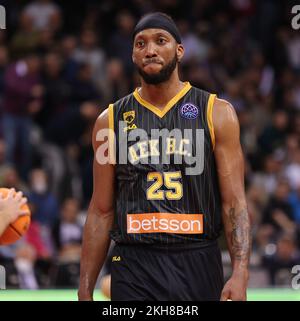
x: 189, y: 111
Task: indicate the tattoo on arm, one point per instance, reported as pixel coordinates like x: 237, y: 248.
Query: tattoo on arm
x: 240, y: 235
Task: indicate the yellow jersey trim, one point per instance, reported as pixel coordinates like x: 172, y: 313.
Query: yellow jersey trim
x: 209, y: 111
x: 161, y: 112
x: 111, y: 134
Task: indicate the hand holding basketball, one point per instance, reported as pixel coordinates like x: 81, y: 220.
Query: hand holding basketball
x: 14, y: 215
x: 11, y: 203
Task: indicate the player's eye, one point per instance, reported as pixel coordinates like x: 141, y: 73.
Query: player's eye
x: 161, y: 41
x: 140, y: 43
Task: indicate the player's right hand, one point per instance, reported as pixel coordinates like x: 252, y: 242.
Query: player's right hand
x: 11, y: 206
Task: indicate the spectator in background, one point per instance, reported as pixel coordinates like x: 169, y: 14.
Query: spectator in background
x: 278, y: 212
x: 3, y: 65
x: 268, y: 176
x: 47, y: 42
x: 117, y: 82
x: 294, y: 202
x: 10, y: 179
x: 265, y: 73
x: 70, y: 65
x: 72, y: 124
x: 44, y: 202
x: 296, y: 125
x: 292, y: 147
x: 280, y: 261
x: 39, y: 237
x: 274, y: 135
x: 292, y: 171
x: 89, y: 111
x: 57, y: 90
x: 22, y: 98
x: 24, y: 263
x: 233, y: 93
x: 73, y: 131
x: 89, y: 53
x: 195, y: 48
x: 44, y: 212
x: 83, y: 88
x: 120, y: 45
x: 26, y: 39
x: 3, y: 164
x: 293, y: 47
x: 247, y: 131
x: 67, y: 232
x: 39, y: 240
x: 45, y: 14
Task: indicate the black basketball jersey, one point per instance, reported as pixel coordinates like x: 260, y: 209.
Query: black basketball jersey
x: 166, y: 180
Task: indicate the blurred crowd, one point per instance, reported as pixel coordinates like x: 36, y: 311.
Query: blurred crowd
x: 63, y: 62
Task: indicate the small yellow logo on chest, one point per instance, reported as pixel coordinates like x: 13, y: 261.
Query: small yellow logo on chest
x: 129, y: 117
x: 116, y: 258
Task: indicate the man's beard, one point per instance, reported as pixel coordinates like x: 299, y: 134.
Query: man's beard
x: 163, y: 75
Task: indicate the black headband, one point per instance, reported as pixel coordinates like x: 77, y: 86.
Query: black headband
x: 157, y: 20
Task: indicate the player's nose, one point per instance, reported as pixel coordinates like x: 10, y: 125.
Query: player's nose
x: 151, y: 50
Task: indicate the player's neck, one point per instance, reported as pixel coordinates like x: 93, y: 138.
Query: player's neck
x: 159, y: 95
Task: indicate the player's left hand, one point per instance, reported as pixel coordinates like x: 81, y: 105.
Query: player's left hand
x: 235, y: 288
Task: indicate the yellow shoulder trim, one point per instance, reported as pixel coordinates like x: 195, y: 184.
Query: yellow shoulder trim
x: 111, y: 116
x: 111, y: 135
x: 209, y: 111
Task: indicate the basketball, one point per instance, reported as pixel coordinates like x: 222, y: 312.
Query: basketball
x: 16, y: 229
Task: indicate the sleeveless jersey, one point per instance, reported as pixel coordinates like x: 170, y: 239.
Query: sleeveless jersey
x: 166, y: 182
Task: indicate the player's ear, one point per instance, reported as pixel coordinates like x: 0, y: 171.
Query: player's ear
x: 133, y: 58
x: 180, y: 52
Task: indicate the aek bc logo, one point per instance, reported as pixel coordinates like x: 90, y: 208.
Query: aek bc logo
x: 129, y: 117
x: 189, y: 111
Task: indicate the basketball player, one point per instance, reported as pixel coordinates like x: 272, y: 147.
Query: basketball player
x: 10, y: 208
x: 165, y: 220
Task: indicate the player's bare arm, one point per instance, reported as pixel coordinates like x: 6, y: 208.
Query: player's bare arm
x: 230, y: 167
x: 99, y: 219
